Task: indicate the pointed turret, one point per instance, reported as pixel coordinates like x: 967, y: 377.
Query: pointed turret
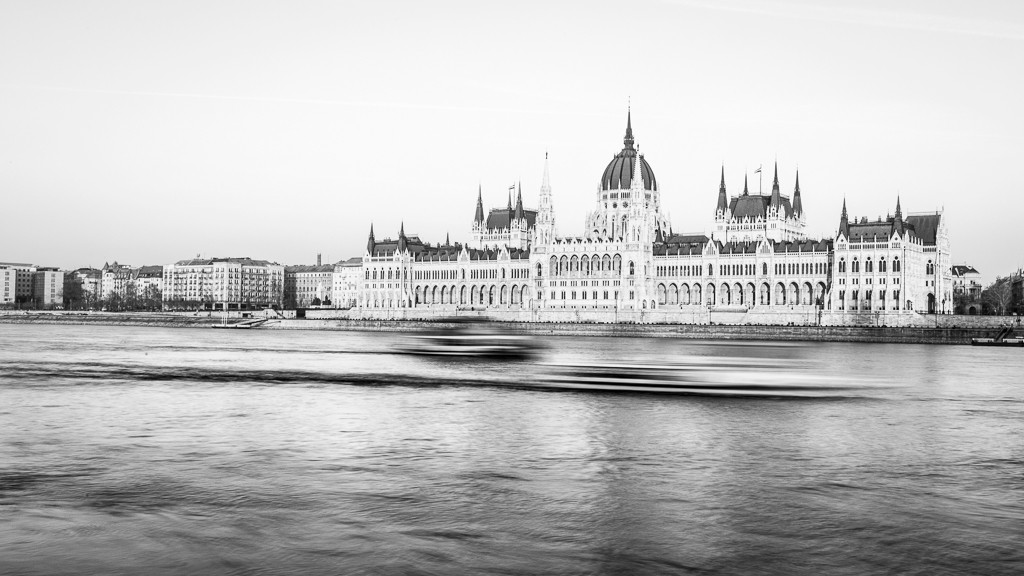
x: 844, y: 222
x: 638, y: 173
x: 447, y: 241
x: 798, y: 205
x: 776, y: 201
x: 723, y: 200
x: 545, y: 227
x: 370, y: 241
x: 746, y: 192
x: 402, y: 241
x: 897, y: 222
x: 479, y: 217
x: 519, y: 215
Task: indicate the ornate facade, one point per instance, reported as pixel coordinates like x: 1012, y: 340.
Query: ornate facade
x: 757, y: 258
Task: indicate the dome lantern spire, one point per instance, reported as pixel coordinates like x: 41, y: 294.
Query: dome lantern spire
x: 628, y: 140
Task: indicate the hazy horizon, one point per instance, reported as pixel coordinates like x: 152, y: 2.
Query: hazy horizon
x: 149, y: 133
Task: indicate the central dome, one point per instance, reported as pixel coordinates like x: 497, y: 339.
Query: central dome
x: 619, y: 173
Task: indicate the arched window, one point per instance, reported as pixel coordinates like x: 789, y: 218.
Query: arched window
x: 867, y: 265
x: 881, y: 265
x: 711, y: 270
x: 855, y: 266
x: 895, y: 264
x: 632, y: 268
x: 929, y: 268
x: 842, y: 265
x: 764, y: 269
x: 540, y: 269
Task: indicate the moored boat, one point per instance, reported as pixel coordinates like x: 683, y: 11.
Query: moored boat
x: 1016, y: 342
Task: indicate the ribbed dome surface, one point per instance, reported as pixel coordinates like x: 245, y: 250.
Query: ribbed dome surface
x: 619, y: 173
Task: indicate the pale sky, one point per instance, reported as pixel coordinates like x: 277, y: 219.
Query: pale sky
x: 148, y: 132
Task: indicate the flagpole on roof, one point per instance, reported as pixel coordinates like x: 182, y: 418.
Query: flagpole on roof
x: 760, y: 190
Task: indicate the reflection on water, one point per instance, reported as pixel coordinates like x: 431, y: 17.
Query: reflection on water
x: 140, y: 450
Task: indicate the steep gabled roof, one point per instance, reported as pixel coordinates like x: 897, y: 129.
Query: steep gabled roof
x: 926, y: 226
x: 501, y: 218
x: 963, y: 269
x: 756, y: 206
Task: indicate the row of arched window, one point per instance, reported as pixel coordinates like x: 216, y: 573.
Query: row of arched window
x: 862, y: 300
x: 587, y: 266
x: 869, y: 267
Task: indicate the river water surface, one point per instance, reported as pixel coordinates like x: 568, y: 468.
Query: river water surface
x: 179, y: 451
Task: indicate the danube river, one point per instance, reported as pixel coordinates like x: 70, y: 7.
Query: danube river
x: 179, y: 451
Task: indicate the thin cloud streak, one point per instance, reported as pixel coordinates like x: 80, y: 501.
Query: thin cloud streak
x: 864, y: 17
x: 314, y: 101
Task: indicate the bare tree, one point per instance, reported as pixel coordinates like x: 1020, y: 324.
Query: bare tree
x: 998, y: 296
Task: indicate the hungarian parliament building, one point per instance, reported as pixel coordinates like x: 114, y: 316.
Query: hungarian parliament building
x: 755, y: 263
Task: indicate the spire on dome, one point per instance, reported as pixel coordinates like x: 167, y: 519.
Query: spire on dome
x: 798, y: 205
x: 479, y: 217
x: 628, y: 140
x: 723, y: 201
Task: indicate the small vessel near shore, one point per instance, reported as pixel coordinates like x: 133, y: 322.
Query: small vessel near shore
x: 245, y: 324
x: 1015, y: 342
x: 470, y: 338
x: 1005, y: 337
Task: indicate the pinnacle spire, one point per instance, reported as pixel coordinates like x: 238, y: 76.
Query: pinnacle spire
x: 638, y: 172
x: 519, y: 215
x: 723, y: 200
x: 402, y: 241
x: 798, y: 205
x: 898, y: 220
x: 746, y: 191
x: 844, y: 222
x: 545, y: 183
x: 776, y: 201
x: 479, y: 217
x: 370, y: 241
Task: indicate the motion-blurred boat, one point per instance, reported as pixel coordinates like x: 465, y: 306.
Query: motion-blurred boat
x: 698, y: 375
x: 471, y: 339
